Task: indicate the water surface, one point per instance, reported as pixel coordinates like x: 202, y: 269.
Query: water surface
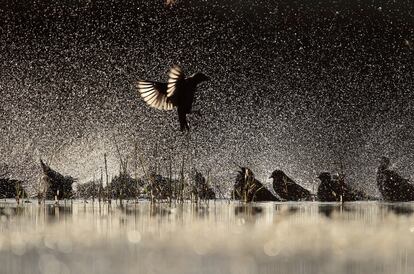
x: 211, y: 237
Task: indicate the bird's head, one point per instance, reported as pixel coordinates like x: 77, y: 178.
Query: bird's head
x: 200, y: 77
x: 277, y: 175
x: 385, y: 162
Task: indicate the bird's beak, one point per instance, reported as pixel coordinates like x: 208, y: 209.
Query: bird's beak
x: 271, y: 177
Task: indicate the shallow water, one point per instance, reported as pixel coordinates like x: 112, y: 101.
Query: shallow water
x: 214, y: 237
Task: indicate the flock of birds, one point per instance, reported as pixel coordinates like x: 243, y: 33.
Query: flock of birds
x: 391, y: 185
x: 179, y: 92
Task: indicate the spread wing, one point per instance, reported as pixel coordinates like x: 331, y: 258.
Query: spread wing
x: 155, y: 94
x: 175, y: 78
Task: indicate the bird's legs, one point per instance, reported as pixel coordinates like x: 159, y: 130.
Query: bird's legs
x: 182, y: 117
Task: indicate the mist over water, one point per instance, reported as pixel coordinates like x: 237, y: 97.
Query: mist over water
x: 295, y: 86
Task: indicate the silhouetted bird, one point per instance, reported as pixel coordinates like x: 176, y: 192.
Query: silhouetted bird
x: 57, y: 182
x: 10, y: 188
x: 200, y: 187
x: 162, y: 187
x: 328, y: 190
x: 391, y: 185
x: 332, y: 188
x: 177, y: 92
x: 248, y: 189
x: 287, y: 189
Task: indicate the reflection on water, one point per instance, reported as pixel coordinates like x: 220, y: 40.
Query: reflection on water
x: 214, y: 237
x: 401, y: 209
x: 248, y: 210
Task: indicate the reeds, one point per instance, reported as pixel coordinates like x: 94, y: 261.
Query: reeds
x: 165, y: 180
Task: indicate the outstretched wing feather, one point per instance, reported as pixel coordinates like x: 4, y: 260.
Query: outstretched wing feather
x: 174, y: 77
x: 155, y: 94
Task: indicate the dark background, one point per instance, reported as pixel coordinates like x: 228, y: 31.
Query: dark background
x: 296, y: 85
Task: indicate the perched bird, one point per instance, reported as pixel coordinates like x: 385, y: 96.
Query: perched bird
x: 287, y: 189
x: 391, y: 185
x: 328, y: 190
x: 249, y: 189
x: 177, y: 92
x: 332, y: 188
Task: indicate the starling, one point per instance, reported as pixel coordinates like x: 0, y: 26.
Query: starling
x: 328, y: 190
x: 391, y: 185
x: 334, y: 189
x: 287, y: 189
x: 177, y: 92
x: 200, y: 188
x: 57, y: 184
x: 249, y: 189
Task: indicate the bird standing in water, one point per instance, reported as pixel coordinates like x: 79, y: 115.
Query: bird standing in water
x: 177, y: 92
x: 287, y: 189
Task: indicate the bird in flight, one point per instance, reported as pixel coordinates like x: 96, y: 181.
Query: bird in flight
x: 177, y: 92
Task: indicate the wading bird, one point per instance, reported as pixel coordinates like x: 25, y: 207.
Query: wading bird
x: 177, y: 92
x: 334, y: 189
x: 391, y: 185
x: 287, y: 189
x: 248, y: 189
